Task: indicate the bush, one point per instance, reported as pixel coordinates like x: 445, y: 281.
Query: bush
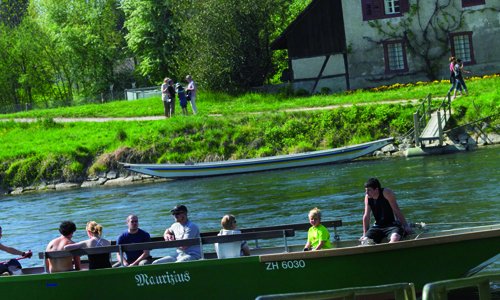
x: 301, y: 93
x: 325, y: 90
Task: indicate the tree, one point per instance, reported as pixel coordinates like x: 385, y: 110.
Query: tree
x: 225, y: 44
x: 152, y: 36
x: 86, y: 37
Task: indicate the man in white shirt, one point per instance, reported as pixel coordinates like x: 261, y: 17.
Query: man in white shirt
x: 183, y: 228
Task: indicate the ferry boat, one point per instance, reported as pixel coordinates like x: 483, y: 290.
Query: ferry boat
x: 421, y: 258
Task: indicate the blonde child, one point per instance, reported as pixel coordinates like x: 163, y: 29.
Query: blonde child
x: 318, y: 236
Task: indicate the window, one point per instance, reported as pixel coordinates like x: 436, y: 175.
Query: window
x: 466, y: 3
x: 391, y: 7
x: 382, y: 9
x: 461, y: 47
x: 395, y: 57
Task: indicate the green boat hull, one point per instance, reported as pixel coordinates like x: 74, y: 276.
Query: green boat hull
x: 420, y: 262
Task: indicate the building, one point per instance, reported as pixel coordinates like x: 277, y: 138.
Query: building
x: 383, y: 42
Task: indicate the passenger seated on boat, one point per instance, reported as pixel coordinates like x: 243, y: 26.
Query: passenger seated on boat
x: 318, y: 236
x: 14, y: 251
x: 232, y: 249
x: 67, y: 228
x: 182, y: 229
x: 134, y: 235
x: 96, y: 261
x: 388, y: 216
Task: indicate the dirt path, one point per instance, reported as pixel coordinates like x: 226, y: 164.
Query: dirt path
x: 154, y: 118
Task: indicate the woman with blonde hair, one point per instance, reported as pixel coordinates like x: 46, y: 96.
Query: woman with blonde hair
x: 96, y: 261
x: 229, y: 227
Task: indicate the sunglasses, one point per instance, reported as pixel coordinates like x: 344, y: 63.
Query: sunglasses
x: 134, y: 221
x: 177, y: 213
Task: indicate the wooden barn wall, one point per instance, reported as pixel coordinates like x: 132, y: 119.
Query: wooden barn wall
x: 319, y: 32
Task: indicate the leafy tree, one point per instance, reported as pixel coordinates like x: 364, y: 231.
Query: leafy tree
x: 225, y: 44
x: 12, y: 11
x: 86, y: 38
x: 152, y: 36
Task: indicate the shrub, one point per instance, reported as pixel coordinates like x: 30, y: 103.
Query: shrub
x: 325, y: 90
x: 301, y: 93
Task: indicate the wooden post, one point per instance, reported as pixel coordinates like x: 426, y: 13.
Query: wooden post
x: 429, y: 101
x: 102, y: 99
x: 417, y: 134
x: 449, y: 104
x: 26, y: 106
x: 440, y: 128
x: 327, y: 57
x: 346, y: 67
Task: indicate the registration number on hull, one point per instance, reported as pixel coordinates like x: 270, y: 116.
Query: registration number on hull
x: 286, y: 264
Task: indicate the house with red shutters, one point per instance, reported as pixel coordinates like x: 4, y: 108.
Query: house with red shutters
x: 351, y: 44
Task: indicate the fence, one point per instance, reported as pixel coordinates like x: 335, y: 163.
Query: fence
x: 76, y: 101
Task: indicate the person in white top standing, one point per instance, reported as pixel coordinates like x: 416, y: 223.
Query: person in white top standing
x: 191, y: 88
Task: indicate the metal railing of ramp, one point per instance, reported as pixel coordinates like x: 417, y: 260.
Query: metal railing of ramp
x: 402, y: 291
x: 438, y: 290
x: 439, y: 119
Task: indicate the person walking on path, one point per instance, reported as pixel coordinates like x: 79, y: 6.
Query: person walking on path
x: 181, y: 94
x: 165, y: 98
x: 458, y: 69
x: 191, y: 90
x: 453, y: 81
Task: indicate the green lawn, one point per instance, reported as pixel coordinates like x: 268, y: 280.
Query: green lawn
x: 219, y: 103
x: 46, y: 150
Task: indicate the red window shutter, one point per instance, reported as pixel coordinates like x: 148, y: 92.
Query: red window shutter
x: 404, y: 6
x: 377, y: 8
x: 371, y: 9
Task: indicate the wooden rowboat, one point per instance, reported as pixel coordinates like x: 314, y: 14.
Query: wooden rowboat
x: 189, y: 170
x: 428, y: 257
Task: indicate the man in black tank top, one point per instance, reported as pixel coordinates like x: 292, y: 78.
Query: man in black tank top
x: 388, y: 216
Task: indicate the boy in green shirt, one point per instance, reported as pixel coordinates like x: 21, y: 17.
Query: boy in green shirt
x: 318, y: 236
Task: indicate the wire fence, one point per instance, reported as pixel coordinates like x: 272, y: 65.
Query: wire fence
x: 131, y: 94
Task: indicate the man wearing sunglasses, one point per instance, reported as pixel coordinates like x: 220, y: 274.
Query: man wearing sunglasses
x: 182, y: 229
x: 134, y: 235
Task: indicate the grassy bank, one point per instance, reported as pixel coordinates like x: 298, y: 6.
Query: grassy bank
x: 45, y: 150
x: 227, y: 105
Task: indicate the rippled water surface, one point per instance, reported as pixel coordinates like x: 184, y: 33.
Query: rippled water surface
x: 438, y: 189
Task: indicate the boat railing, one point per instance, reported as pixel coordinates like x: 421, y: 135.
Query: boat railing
x: 295, y: 227
x: 402, y: 291
x: 285, y: 233
x: 439, y: 289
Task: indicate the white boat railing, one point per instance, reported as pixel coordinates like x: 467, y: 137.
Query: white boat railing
x: 439, y: 290
x: 402, y: 291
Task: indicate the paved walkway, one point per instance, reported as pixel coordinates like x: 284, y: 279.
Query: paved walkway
x: 153, y: 118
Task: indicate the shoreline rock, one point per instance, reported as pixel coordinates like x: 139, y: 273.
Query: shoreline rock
x: 461, y: 142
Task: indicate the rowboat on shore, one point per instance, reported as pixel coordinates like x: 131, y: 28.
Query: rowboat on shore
x: 189, y: 170
x: 422, y: 258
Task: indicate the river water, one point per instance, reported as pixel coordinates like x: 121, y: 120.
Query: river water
x: 461, y: 187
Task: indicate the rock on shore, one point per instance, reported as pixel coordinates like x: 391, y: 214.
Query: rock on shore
x: 123, y: 177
